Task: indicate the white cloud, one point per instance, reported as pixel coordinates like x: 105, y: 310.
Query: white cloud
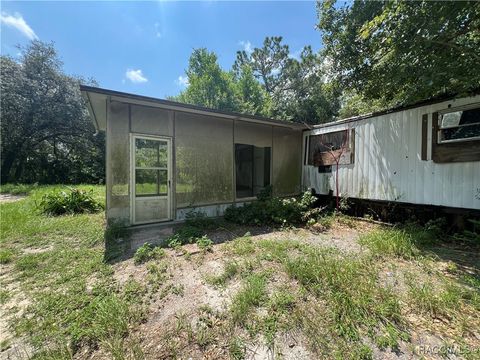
x: 135, y: 76
x: 182, y: 81
x: 16, y: 21
x: 158, y: 34
x: 247, y: 46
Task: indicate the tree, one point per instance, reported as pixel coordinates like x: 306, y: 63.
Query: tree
x: 47, y: 135
x: 399, y: 52
x: 296, y: 87
x: 209, y: 85
x: 251, y: 97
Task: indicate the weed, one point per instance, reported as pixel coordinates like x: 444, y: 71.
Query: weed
x: 6, y: 256
x: 241, y: 246
x: 178, y: 289
x: 230, y: 270
x: 391, y: 242
x: 204, y: 243
x: 199, y: 220
x: 174, y: 242
x: 349, y: 287
x: 237, y: 348
x: 251, y: 295
x: 4, y: 296
x: 72, y: 201
x: 148, y: 252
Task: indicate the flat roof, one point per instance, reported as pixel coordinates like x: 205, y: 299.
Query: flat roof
x: 96, y: 102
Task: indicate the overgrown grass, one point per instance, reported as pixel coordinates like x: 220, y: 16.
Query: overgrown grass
x: 83, y: 305
x: 401, y: 241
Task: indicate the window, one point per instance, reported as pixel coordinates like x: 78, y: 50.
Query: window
x: 462, y: 125
x: 252, y: 169
x: 151, y: 172
x: 324, y: 148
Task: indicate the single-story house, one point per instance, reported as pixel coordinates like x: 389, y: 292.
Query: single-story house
x: 164, y: 158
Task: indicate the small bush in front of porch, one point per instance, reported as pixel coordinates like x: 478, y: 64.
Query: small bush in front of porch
x: 274, y: 210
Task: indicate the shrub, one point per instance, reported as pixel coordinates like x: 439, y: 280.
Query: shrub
x: 72, y: 201
x: 199, y: 220
x: 147, y: 252
x: 274, y: 210
x: 204, y: 243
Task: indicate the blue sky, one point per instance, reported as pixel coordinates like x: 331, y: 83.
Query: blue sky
x: 143, y: 47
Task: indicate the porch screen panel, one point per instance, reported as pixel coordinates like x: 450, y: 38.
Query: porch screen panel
x: 287, y: 161
x: 118, y: 162
x: 204, y: 160
x: 152, y: 121
x: 258, y: 135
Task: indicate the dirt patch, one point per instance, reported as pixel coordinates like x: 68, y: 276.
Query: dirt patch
x: 7, y: 198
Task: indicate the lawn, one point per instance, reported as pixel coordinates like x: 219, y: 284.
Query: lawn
x: 343, y: 288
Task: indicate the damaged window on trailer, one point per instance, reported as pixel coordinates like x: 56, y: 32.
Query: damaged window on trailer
x: 461, y: 125
x: 325, y: 149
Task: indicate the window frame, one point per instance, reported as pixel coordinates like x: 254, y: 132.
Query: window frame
x: 166, y: 168
x: 247, y: 198
x: 453, y: 110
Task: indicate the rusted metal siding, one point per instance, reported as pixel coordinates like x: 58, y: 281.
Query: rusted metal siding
x: 388, y: 162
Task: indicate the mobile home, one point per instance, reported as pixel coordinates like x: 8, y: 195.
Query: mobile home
x: 425, y: 154
x: 165, y: 158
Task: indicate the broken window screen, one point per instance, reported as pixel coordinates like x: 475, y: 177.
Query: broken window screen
x: 252, y: 169
x: 321, y: 145
x: 151, y: 172
x: 460, y: 126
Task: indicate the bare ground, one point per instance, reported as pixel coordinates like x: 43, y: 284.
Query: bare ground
x: 183, y: 301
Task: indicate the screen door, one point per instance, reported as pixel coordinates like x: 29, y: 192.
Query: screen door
x: 151, y: 179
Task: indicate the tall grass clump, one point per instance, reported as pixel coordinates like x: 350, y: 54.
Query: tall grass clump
x: 357, y: 305
x: 250, y: 295
x: 71, y: 201
x: 391, y: 242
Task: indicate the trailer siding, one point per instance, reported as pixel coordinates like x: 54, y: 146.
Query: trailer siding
x: 388, y: 162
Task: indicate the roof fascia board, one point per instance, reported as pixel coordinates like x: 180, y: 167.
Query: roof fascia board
x: 171, y: 105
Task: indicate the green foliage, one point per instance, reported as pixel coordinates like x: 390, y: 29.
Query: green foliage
x: 84, y: 305
x: 199, y: 220
x: 231, y: 268
x: 6, y: 256
x: 470, y: 236
x: 204, y: 243
x: 273, y: 210
x: 17, y: 189
x: 269, y: 81
x: 148, y: 252
x: 406, y: 241
x: 250, y: 295
x: 390, y: 53
x: 47, y: 135
x: 349, y: 287
x: 71, y: 201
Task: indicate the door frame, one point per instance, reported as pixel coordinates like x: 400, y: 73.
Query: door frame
x: 168, y: 139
